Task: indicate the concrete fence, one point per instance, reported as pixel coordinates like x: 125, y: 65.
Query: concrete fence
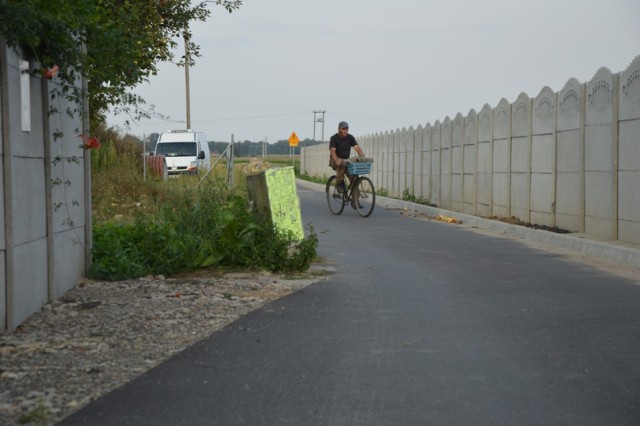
x: 44, y: 191
x: 569, y: 159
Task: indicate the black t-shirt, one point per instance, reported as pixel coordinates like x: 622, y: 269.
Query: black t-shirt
x: 342, y: 145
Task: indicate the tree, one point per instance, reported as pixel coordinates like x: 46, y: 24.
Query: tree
x: 124, y: 41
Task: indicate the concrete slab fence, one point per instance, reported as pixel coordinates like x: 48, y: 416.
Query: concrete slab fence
x: 44, y: 191
x: 568, y: 159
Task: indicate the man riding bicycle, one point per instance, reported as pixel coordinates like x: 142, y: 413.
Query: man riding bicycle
x: 340, y: 150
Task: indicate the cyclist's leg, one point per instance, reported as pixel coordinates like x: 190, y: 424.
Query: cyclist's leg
x: 341, y: 172
x: 353, y: 185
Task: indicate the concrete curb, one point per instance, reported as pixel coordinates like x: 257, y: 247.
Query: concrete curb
x: 615, y: 252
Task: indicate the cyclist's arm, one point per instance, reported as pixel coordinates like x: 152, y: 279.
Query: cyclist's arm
x: 335, y: 157
x: 359, y: 150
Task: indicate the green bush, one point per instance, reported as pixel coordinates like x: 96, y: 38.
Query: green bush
x: 194, y: 228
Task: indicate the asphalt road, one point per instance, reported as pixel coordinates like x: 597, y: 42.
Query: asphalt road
x: 423, y: 323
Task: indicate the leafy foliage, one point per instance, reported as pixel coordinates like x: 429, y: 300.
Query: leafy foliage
x: 194, y: 230
x: 155, y: 227
x: 124, y: 41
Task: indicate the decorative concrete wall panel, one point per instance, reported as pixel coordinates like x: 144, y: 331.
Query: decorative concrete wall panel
x: 598, y: 148
x: 29, y: 202
x: 600, y: 98
x: 410, y: 158
x: 501, y: 153
x: 520, y: 155
x: 378, y: 168
x: 520, y: 167
x: 388, y: 161
x: 66, y: 194
x: 570, y: 157
x: 521, y: 110
x: 629, y: 182
x: 470, y: 162
x: 416, y: 159
x: 3, y: 290
x: 3, y: 237
x: 502, y: 120
x: 520, y: 177
x: 68, y: 257
x: 500, y: 199
x: 30, y: 291
x: 500, y: 182
x: 541, y: 200
x: 485, y: 124
x: 543, y: 154
x: 501, y: 150
x: 600, y: 189
x: 570, y: 187
x: 403, y: 169
x: 543, y: 158
x: 484, y: 185
x: 569, y: 147
x: 598, y: 215
x: 570, y: 100
x: 445, y: 164
x: 426, y: 163
x: 397, y: 174
x: 435, y: 163
x: 568, y: 205
x: 629, y: 154
x: 400, y: 163
x: 544, y: 112
x: 457, y: 163
x: 391, y: 155
x: 630, y: 91
x: 3, y: 240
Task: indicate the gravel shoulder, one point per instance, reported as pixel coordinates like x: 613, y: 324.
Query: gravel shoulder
x: 100, y: 335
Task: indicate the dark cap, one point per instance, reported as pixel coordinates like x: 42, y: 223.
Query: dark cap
x: 343, y: 125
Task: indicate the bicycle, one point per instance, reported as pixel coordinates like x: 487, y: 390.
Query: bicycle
x: 360, y: 192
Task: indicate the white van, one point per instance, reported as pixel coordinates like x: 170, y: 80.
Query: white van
x: 186, y: 151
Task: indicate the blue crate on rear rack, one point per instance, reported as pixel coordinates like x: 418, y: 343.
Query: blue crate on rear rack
x: 359, y: 168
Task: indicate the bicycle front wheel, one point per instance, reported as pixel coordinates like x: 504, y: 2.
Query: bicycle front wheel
x: 335, y: 199
x: 364, y: 197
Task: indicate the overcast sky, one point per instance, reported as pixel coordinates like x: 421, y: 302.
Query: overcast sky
x: 381, y: 65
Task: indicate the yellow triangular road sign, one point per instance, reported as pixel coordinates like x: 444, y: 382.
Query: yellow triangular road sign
x: 293, y: 139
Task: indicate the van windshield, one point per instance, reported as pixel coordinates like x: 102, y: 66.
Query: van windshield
x: 176, y: 149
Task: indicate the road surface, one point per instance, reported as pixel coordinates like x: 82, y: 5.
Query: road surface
x: 423, y: 323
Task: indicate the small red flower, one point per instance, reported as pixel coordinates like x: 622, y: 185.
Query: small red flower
x: 50, y: 72
x: 89, y: 142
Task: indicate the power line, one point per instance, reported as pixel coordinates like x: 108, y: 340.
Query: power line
x: 387, y: 120
x: 163, y: 117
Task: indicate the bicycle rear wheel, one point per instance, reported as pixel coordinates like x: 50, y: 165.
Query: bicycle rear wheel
x: 364, y: 197
x: 335, y: 200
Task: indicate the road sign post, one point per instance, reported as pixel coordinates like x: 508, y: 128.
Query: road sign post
x: 293, y: 142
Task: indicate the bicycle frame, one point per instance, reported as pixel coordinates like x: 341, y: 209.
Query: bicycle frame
x: 360, y: 194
